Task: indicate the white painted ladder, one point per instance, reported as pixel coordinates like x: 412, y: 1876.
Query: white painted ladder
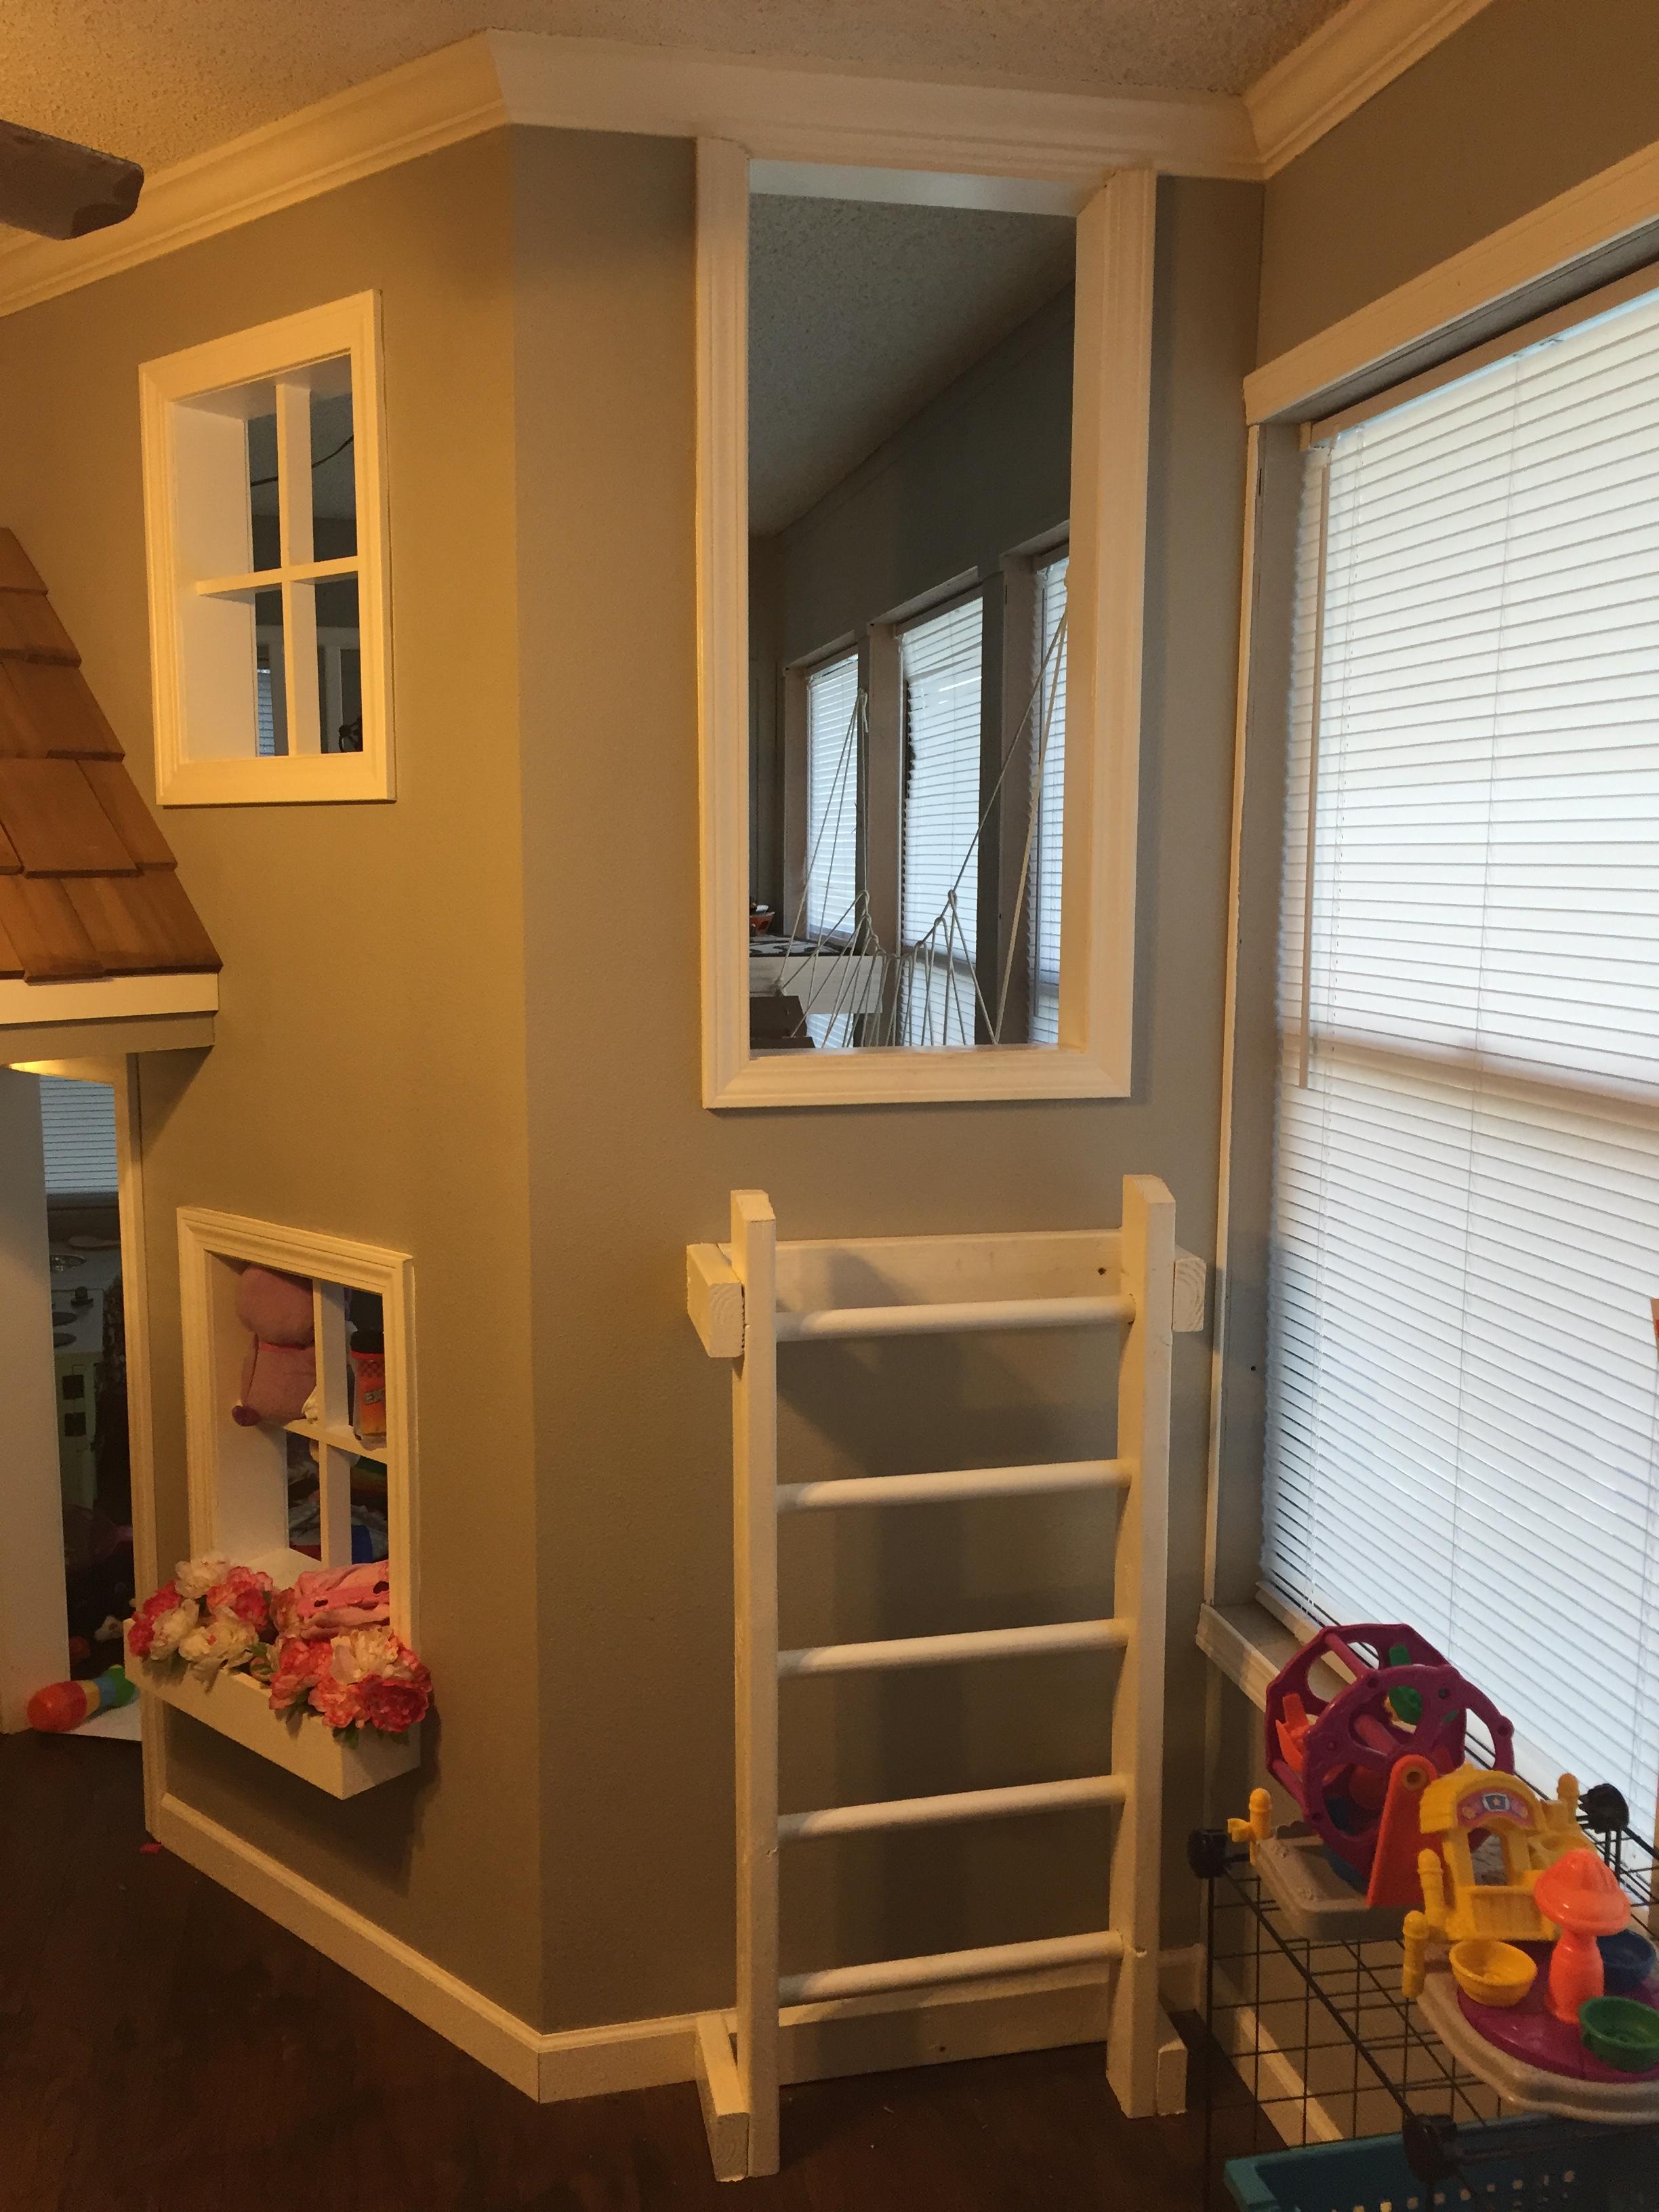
x: 746, y: 1299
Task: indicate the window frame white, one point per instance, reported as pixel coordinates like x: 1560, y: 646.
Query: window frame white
x: 1111, y: 402
x: 187, y: 502
x: 1482, y: 300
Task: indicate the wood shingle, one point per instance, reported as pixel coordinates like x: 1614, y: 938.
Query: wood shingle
x: 88, y: 885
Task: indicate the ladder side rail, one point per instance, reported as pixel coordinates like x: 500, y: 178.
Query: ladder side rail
x: 755, y: 1474
x: 1140, y: 1598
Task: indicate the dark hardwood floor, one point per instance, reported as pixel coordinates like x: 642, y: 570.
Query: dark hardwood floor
x: 164, y: 2048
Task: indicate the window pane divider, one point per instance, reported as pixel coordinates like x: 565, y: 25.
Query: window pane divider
x: 267, y: 580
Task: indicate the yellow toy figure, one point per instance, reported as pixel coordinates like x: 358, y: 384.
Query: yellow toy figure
x: 1532, y: 1832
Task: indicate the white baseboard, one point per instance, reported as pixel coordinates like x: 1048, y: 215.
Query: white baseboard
x: 974, y: 2019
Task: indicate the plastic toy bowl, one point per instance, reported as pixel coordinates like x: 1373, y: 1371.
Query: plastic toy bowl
x: 1621, y: 2033
x: 1494, y: 1973
x: 1627, y: 1959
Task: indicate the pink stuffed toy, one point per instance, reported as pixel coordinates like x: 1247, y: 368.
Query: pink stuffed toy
x: 280, y: 1371
x: 330, y: 1599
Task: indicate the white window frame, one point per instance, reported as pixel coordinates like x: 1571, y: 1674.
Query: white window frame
x: 238, y: 1476
x: 1560, y: 252
x: 195, y: 524
x: 1111, y: 398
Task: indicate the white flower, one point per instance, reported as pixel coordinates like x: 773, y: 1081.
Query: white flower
x: 196, y: 1578
x: 221, y: 1641
x: 361, y: 1652
x: 170, y: 1630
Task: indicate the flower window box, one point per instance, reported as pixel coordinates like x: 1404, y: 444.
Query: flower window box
x: 300, y: 1457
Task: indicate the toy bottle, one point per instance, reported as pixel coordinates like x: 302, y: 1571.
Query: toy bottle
x: 63, y: 1705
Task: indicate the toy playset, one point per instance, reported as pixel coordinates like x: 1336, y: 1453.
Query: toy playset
x: 1517, y: 1938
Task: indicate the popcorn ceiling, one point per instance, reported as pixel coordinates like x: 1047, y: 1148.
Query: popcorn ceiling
x: 171, y: 77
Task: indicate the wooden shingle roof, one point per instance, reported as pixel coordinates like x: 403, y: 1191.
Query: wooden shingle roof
x: 89, y: 886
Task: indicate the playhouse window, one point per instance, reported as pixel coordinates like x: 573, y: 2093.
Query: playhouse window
x: 264, y: 514
x: 306, y: 1460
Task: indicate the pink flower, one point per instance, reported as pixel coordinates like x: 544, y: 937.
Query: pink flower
x: 392, y: 1706
x: 298, y: 1666
x: 340, y: 1704
x: 142, y: 1634
x: 244, y: 1596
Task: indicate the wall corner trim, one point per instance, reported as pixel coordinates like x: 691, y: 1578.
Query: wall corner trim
x: 1030, y: 2012
x: 1341, y: 65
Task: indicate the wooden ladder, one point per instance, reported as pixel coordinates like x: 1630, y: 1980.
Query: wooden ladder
x: 752, y: 1295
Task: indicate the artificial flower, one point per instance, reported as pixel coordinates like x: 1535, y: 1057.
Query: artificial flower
x: 340, y: 1704
x: 222, y: 1641
x: 244, y: 1596
x: 393, y: 1706
x: 196, y: 1578
x: 298, y: 1665
x: 141, y: 1633
x: 169, y: 1629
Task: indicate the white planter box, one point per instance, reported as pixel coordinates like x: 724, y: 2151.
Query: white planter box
x: 239, y: 1707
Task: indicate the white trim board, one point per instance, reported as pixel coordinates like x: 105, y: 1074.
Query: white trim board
x: 1339, y: 66
x: 1572, y: 242
x: 1034, y: 2012
x: 798, y: 112
x: 107, y: 998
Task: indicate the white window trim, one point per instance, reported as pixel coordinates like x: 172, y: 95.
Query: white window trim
x: 213, y: 1351
x: 349, y: 327
x: 1559, y: 253
x: 1111, y: 397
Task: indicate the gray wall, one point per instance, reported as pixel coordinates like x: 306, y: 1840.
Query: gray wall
x: 1528, y: 99
x: 425, y: 1043
x: 633, y: 1421
x: 368, y: 1076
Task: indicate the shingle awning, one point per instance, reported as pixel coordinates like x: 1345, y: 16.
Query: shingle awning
x: 88, y: 885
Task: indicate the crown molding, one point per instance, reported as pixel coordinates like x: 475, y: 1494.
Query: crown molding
x: 1361, y: 49
x: 444, y: 97
x: 800, y: 111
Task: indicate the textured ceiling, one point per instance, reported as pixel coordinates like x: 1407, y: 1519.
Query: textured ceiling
x: 169, y: 77
x: 860, y: 313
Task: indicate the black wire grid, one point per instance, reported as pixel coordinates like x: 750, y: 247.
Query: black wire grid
x: 1310, y: 2040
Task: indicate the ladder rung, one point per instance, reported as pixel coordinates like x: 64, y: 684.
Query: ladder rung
x: 939, y: 1650
x: 947, y: 1966
x: 969, y: 1482
x: 947, y: 1320
x: 955, y: 1805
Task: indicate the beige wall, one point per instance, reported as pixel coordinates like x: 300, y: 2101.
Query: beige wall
x: 1528, y: 99
x: 368, y: 1072
x: 466, y: 1023
x: 627, y: 1167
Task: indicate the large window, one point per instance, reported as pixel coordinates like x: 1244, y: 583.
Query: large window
x: 940, y: 664
x: 833, y: 798
x: 1048, y: 798
x: 1463, y: 1410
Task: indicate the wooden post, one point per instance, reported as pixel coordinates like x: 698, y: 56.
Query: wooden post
x: 754, y: 1473
x: 33, y: 1628
x: 1139, y: 1598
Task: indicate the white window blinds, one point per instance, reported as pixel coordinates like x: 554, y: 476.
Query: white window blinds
x: 1049, y: 770
x: 832, y: 798
x: 77, y: 1122
x: 939, y: 669
x: 1462, y: 1409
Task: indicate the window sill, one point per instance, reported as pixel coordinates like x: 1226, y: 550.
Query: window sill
x: 1246, y: 1644
x: 237, y: 1706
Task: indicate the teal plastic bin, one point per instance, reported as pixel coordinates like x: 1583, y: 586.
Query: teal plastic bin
x: 1522, y: 2166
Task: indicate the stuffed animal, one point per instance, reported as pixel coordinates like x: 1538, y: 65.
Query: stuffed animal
x: 330, y: 1599
x: 280, y: 1371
